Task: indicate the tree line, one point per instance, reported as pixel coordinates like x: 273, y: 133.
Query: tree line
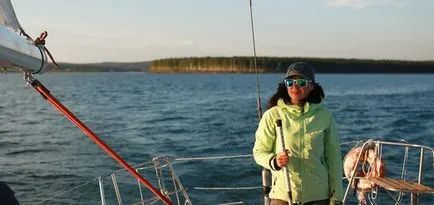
x: 245, y: 64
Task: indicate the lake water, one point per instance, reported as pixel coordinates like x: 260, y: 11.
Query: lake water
x: 142, y: 115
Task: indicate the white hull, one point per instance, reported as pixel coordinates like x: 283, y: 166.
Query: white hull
x: 19, y: 53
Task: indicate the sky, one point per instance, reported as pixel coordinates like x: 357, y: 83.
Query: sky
x: 90, y: 31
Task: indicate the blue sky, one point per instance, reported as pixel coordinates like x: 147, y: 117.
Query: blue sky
x: 84, y: 31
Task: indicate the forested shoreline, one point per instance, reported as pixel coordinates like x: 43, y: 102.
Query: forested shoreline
x: 279, y: 64
x: 244, y: 64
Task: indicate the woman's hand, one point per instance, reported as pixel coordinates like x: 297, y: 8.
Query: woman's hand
x: 282, y: 158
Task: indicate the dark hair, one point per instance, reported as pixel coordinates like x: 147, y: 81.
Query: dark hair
x: 315, y: 96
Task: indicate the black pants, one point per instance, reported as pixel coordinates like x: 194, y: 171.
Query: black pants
x: 320, y: 202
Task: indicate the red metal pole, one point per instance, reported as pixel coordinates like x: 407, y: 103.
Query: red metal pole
x: 46, y: 94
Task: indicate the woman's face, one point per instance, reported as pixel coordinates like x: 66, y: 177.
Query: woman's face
x: 298, y: 89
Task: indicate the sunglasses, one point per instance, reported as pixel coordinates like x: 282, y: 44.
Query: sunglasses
x: 300, y: 82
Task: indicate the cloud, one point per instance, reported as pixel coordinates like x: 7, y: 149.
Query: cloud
x: 187, y: 43
x: 367, y: 3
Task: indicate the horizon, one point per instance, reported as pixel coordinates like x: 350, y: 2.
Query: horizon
x: 99, y: 31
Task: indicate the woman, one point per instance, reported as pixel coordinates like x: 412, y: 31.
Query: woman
x: 313, y: 156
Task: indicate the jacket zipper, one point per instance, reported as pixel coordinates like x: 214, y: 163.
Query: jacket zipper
x: 301, y: 132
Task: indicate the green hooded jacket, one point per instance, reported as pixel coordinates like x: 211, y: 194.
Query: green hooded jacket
x: 311, y: 136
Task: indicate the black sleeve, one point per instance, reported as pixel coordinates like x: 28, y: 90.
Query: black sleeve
x: 7, y: 196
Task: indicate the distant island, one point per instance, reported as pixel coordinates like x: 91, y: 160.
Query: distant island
x: 243, y: 64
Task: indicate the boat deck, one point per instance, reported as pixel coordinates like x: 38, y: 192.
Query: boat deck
x: 401, y: 185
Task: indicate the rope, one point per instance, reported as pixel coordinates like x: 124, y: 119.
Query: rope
x: 40, y: 41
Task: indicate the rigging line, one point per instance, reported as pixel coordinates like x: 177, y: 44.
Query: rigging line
x: 54, y: 195
x: 218, y: 157
x: 149, y: 165
x: 233, y: 203
x: 141, y: 166
x: 234, y: 156
x: 154, y: 199
x: 259, y: 103
x: 350, y: 142
x: 228, y: 188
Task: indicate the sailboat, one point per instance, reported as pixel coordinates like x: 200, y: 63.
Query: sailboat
x: 17, y: 51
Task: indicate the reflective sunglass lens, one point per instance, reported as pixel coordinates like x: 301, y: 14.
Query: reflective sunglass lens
x: 289, y: 82
x: 301, y: 82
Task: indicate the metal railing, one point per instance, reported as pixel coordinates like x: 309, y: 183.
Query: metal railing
x: 415, y: 197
